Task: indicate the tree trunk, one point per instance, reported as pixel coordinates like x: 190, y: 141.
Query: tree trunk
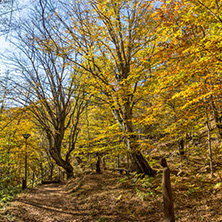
x: 98, y: 168
x: 51, y: 166
x: 209, y: 147
x: 66, y: 166
x: 217, y: 118
x: 218, y: 121
x: 69, y: 173
x: 209, y: 143
x: 181, y: 152
x: 55, y: 154
x: 117, y: 163
x: 139, y: 163
x: 104, y: 162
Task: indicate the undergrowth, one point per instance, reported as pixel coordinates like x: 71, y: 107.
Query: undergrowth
x: 7, y: 191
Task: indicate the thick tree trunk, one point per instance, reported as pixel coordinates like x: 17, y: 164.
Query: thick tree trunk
x: 55, y: 154
x: 65, y: 165
x: 140, y: 164
x: 69, y: 172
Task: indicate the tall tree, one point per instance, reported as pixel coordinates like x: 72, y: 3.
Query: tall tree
x: 112, y: 38
x: 50, y: 87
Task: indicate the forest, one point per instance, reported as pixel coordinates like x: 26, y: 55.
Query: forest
x: 94, y: 94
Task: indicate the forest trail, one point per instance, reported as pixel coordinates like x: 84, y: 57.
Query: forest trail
x: 47, y: 203
x: 110, y: 197
x: 93, y: 197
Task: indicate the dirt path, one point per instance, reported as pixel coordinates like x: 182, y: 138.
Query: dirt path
x: 47, y: 203
x: 110, y: 197
x: 91, y: 198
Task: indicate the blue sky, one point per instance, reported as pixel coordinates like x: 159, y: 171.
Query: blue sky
x: 4, y: 44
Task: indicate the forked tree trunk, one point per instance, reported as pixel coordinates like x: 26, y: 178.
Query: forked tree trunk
x: 65, y: 165
x: 55, y: 154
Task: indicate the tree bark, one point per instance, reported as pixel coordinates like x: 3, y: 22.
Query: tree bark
x: 64, y: 164
x: 140, y: 164
x: 217, y: 118
x: 98, y: 162
x: 209, y: 142
x: 54, y: 150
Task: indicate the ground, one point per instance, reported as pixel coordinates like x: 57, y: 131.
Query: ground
x: 93, y: 197
x: 110, y: 197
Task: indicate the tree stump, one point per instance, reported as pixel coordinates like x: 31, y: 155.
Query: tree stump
x: 167, y: 193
